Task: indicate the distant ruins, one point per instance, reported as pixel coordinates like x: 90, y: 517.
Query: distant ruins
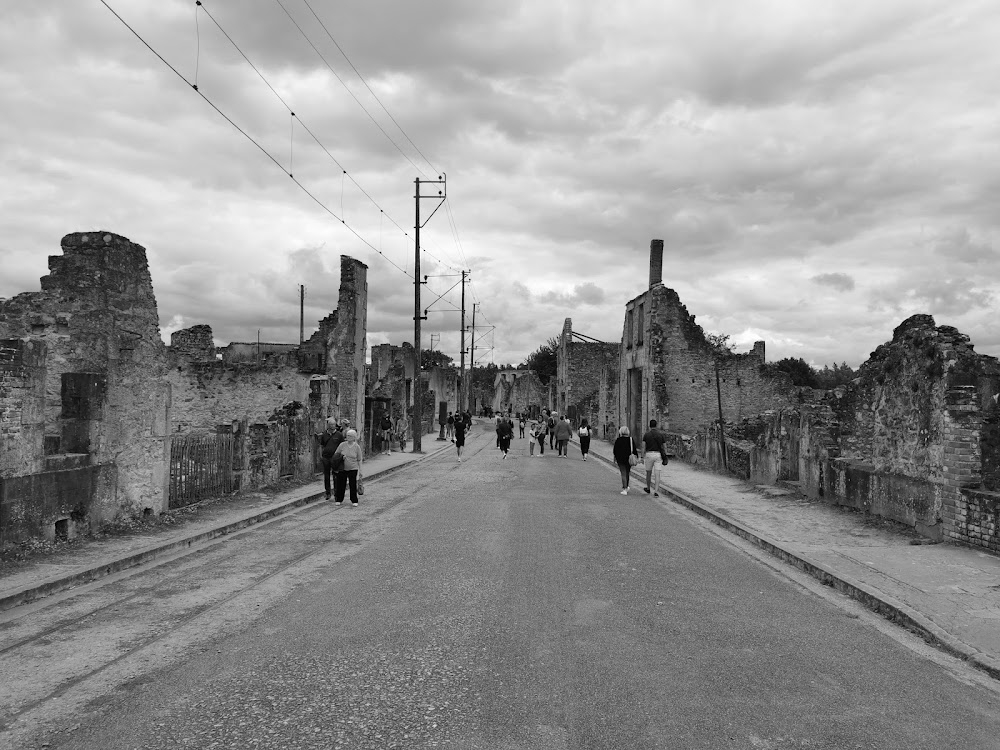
x: 99, y: 419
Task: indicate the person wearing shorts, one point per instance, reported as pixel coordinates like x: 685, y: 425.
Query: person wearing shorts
x: 654, y: 457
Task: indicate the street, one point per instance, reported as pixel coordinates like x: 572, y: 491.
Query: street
x: 495, y: 604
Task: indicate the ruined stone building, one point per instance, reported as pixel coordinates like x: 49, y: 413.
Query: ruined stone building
x: 670, y: 372
x: 915, y: 438
x: 99, y: 419
x: 517, y: 390
x: 580, y: 367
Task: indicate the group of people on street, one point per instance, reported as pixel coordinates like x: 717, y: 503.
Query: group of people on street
x: 654, y: 456
x: 342, y: 457
x: 558, y: 431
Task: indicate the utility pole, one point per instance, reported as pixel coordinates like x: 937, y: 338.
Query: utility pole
x: 462, y: 405
x: 418, y: 396
x: 472, y: 347
x: 302, y: 314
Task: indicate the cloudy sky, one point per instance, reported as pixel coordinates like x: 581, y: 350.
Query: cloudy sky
x: 818, y: 169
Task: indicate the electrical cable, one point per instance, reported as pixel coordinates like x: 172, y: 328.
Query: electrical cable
x: 374, y: 95
x: 248, y: 136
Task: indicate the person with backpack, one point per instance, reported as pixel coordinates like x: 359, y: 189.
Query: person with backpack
x: 584, y: 433
x: 521, y: 422
x: 330, y: 439
x: 450, y: 427
x: 385, y: 428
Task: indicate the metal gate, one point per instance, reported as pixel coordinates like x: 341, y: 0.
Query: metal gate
x: 200, y: 466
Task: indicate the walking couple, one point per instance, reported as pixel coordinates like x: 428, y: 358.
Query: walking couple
x: 342, y: 458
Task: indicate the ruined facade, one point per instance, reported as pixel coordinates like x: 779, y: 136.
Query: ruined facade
x: 579, y: 368
x: 517, y: 391
x: 670, y: 372
x: 99, y: 419
x: 84, y: 402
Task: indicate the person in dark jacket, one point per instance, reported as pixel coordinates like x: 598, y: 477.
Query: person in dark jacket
x: 564, y: 431
x: 625, y: 447
x: 330, y: 439
x: 505, y: 431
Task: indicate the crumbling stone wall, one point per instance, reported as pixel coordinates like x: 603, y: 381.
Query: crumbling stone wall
x: 518, y: 391
x: 87, y: 389
x: 91, y: 380
x: 671, y: 373
x: 348, y: 339
x: 579, y: 365
x: 911, y: 439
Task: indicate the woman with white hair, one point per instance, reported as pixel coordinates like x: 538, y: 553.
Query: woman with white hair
x: 624, y: 450
x: 353, y: 458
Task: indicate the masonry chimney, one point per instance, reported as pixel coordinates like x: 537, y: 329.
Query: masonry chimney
x: 655, y: 263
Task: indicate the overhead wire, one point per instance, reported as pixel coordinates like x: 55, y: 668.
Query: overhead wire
x: 294, y: 117
x: 348, y: 88
x: 250, y: 138
x: 287, y: 106
x: 374, y: 95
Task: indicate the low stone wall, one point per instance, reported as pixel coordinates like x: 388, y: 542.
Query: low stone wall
x: 975, y: 520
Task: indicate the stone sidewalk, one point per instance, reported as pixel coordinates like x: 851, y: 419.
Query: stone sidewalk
x: 95, y: 559
x: 948, y: 594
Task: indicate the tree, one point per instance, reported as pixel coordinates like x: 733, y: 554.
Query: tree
x: 829, y: 378
x: 544, y: 360
x: 801, y: 372
x: 719, y: 343
x: 430, y: 358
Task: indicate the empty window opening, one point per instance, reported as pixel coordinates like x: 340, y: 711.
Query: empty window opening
x: 62, y: 529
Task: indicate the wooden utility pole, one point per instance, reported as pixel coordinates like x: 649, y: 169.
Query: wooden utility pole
x: 462, y: 404
x: 418, y: 396
x: 302, y: 314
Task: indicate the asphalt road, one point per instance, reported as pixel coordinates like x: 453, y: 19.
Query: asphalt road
x: 490, y: 604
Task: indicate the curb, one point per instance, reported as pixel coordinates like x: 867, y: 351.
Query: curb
x: 30, y: 594
x: 879, y: 603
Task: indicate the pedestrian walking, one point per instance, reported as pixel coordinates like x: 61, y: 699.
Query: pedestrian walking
x: 542, y: 429
x: 584, y: 435
x: 521, y: 422
x: 329, y: 439
x: 353, y: 458
x: 460, y: 438
x: 533, y: 435
x: 626, y: 456
x: 450, y: 427
x: 563, y: 431
x: 385, y: 427
x: 467, y: 420
x: 551, y: 424
x: 505, y: 431
x: 654, y: 456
